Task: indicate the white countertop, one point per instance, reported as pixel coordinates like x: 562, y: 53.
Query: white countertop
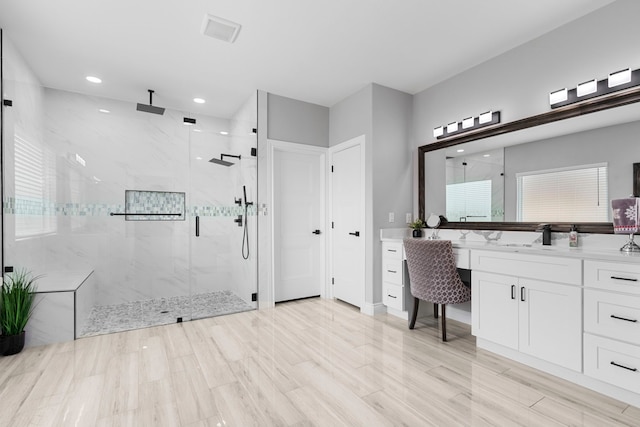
x: 62, y: 281
x: 525, y: 242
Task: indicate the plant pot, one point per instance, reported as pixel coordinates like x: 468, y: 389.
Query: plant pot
x: 417, y: 232
x: 11, y: 344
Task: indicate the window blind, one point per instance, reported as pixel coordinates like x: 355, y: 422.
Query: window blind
x: 577, y: 194
x: 35, y: 189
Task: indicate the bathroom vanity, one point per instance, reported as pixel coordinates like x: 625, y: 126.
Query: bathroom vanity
x: 572, y: 313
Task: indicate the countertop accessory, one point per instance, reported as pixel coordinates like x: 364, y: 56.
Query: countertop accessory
x: 625, y: 220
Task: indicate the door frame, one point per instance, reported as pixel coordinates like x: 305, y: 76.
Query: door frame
x: 357, y: 141
x: 292, y: 147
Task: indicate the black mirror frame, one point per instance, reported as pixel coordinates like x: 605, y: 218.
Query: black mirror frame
x: 614, y: 100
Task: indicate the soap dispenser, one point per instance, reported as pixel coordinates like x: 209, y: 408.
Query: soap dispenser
x: 573, y: 237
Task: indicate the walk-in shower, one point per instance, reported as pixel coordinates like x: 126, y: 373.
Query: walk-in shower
x: 167, y: 254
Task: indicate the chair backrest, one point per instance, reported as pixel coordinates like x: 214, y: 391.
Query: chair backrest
x: 432, y: 272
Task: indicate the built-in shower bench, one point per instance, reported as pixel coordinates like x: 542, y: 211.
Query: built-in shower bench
x: 62, y: 305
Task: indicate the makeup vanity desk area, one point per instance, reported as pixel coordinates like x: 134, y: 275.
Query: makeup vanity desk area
x: 574, y: 313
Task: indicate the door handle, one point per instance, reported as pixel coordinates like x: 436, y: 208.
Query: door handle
x: 315, y: 232
x: 522, y: 293
x: 197, y: 226
x: 513, y: 291
x: 357, y: 234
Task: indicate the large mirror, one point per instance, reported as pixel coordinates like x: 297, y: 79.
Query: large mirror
x: 562, y: 167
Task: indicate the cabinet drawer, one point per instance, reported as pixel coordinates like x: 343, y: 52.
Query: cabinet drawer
x: 613, y: 276
x: 462, y: 257
x: 393, y: 296
x: 612, y: 361
x: 391, y: 250
x: 612, y: 315
x: 392, y: 271
x: 540, y: 267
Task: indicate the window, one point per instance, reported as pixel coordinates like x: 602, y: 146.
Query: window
x: 35, y: 189
x: 576, y: 194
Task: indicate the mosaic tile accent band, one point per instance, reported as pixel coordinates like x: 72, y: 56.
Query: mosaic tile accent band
x: 32, y: 207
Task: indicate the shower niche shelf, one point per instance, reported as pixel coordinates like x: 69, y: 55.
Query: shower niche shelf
x: 143, y: 205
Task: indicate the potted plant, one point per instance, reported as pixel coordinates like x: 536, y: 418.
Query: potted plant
x: 16, y: 305
x: 417, y: 226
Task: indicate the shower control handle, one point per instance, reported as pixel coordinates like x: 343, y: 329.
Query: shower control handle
x: 357, y: 234
x: 315, y: 232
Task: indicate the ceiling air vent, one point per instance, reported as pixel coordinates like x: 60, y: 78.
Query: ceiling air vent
x: 220, y: 28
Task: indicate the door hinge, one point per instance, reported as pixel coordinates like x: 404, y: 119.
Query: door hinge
x: 254, y: 296
x: 333, y: 280
x: 333, y: 225
x: 7, y: 103
x: 331, y: 168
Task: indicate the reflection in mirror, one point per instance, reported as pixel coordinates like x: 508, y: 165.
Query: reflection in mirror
x: 475, y: 186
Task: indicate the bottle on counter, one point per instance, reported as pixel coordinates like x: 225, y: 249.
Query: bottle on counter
x: 573, y: 237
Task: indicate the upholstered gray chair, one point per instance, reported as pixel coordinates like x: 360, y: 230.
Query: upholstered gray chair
x: 433, y: 277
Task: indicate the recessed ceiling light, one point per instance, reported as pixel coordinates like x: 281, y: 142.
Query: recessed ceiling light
x: 460, y: 150
x: 197, y: 130
x: 224, y: 132
x: 198, y: 158
x: 94, y: 79
x: 102, y: 110
x: 199, y: 100
x: 487, y: 155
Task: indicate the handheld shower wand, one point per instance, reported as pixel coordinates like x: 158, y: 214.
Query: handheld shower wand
x: 245, y: 235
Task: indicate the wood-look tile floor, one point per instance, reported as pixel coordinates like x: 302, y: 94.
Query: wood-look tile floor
x: 312, y: 362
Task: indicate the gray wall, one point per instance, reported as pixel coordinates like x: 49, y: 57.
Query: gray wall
x: 383, y: 115
x: 297, y: 121
x: 518, y: 82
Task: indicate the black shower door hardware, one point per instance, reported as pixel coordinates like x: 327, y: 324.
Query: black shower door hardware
x: 145, y: 214
x: 356, y: 233
x: 315, y: 232
x: 197, y: 226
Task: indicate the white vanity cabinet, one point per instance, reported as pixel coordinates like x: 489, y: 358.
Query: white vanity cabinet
x: 612, y: 323
x: 393, y: 275
x: 529, y: 303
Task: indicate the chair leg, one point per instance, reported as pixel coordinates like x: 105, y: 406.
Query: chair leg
x: 444, y: 324
x: 435, y: 310
x: 414, y: 313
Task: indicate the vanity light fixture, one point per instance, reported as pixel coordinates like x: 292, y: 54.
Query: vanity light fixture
x: 616, y: 81
x: 94, y: 79
x: 619, y: 78
x: 189, y: 121
x: 467, y: 124
x: 558, y: 96
x: 585, y: 88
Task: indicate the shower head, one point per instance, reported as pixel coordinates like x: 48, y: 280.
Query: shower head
x: 150, y: 108
x: 222, y: 161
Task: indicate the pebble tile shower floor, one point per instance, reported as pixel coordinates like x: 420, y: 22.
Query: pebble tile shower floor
x: 143, y: 314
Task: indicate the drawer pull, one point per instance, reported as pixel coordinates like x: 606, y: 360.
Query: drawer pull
x: 628, y: 279
x: 513, y: 291
x: 392, y: 271
x: 392, y: 250
x: 623, y: 318
x: 624, y: 367
x: 394, y: 297
x: 522, y: 293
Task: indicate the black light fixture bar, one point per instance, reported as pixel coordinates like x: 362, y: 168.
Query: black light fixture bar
x: 460, y: 128
x: 602, y: 89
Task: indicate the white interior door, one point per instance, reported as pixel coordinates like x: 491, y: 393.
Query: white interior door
x: 298, y: 215
x: 347, y: 218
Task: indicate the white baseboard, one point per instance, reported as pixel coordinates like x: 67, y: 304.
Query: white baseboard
x: 373, y: 309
